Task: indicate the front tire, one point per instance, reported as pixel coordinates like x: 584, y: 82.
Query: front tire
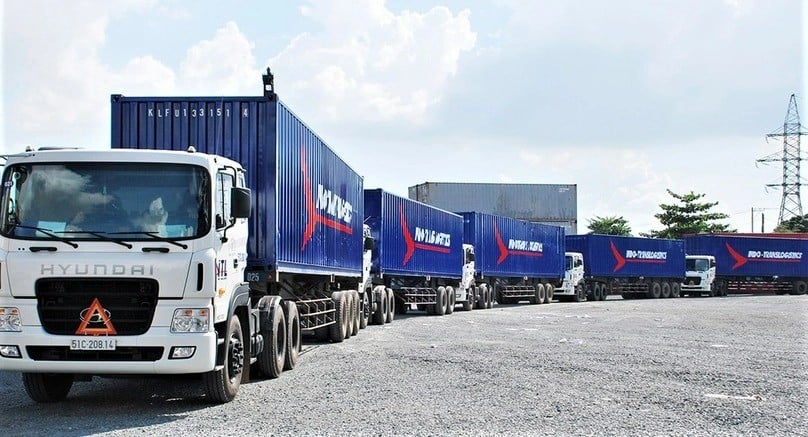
x: 47, y: 387
x: 222, y: 385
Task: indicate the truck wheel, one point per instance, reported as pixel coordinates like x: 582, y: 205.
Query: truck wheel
x: 467, y: 304
x: 272, y: 358
x: 450, y: 295
x: 47, y: 387
x: 676, y: 289
x: 349, y: 316
x: 440, y: 302
x: 549, y: 293
x: 357, y: 310
x: 541, y: 293
x: 666, y: 290
x: 222, y: 385
x: 490, y: 301
x: 713, y: 292
x: 478, y: 298
x: 337, y: 332
x: 380, y: 315
x: 596, y: 292
x: 655, y: 291
x: 579, y: 294
x: 391, y: 305
x: 364, y: 314
x: 294, y: 337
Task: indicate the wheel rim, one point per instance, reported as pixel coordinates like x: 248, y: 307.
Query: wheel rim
x: 236, y: 362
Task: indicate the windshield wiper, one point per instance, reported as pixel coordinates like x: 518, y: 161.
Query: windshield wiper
x: 49, y: 233
x: 102, y: 236
x: 155, y: 237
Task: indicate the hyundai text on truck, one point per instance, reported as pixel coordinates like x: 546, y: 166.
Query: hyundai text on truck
x: 629, y: 266
x: 749, y: 264
x: 232, y: 230
x: 515, y: 260
x: 418, y: 258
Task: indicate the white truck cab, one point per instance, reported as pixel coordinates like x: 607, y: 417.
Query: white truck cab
x: 699, y: 275
x: 122, y: 262
x: 465, y: 292
x: 573, y: 284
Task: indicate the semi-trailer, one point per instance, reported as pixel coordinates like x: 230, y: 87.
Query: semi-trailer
x: 232, y: 230
x: 750, y: 264
x: 514, y: 260
x: 418, y: 256
x: 629, y: 266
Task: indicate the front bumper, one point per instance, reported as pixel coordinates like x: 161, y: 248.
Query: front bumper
x: 143, y: 354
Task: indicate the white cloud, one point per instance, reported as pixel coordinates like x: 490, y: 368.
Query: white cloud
x: 369, y: 64
x: 225, y: 60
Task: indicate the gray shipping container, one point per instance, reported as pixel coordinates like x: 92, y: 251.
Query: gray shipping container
x: 552, y: 204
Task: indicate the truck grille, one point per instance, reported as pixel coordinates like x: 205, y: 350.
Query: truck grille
x: 128, y: 304
x: 696, y: 280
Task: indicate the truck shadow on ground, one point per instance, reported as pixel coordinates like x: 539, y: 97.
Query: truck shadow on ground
x: 102, y: 405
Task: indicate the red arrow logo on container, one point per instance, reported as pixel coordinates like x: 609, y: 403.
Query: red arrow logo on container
x: 315, y: 217
x: 412, y: 244
x: 504, y: 251
x: 619, y: 258
x: 739, y: 259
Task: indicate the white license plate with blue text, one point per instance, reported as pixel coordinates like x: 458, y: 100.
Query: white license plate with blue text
x: 93, y: 344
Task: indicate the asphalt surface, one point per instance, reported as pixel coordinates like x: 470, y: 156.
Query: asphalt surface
x: 691, y: 366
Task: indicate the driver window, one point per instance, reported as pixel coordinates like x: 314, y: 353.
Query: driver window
x: 224, y: 183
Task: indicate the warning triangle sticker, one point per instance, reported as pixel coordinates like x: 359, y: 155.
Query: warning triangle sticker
x: 97, y: 315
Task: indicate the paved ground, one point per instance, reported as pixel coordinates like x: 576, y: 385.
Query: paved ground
x: 690, y: 366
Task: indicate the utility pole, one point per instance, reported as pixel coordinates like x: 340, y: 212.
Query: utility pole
x: 790, y: 132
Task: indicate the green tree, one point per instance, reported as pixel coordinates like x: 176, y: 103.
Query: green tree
x: 609, y: 226
x: 689, y: 215
x: 794, y: 224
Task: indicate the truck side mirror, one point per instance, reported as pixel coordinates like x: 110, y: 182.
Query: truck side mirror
x: 578, y: 263
x: 368, y: 243
x: 240, y: 202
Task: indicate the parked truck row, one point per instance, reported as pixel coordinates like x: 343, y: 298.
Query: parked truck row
x: 220, y: 232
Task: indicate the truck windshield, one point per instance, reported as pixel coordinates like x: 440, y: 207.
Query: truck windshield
x: 697, y: 264
x: 96, y: 201
x: 568, y: 263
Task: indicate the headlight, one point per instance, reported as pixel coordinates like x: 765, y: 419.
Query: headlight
x: 10, y: 319
x: 190, y: 320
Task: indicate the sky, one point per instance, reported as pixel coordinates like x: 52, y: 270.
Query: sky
x: 624, y: 98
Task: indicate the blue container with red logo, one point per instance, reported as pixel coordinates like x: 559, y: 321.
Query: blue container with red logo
x: 753, y: 256
x: 614, y: 256
x: 510, y: 248
x: 307, y: 202
x: 413, y: 238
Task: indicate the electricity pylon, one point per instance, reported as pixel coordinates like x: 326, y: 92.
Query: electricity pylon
x: 790, y: 132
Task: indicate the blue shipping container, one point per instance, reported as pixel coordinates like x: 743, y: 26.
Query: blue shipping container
x: 412, y: 238
x: 512, y: 248
x: 629, y: 257
x: 307, y: 202
x: 752, y: 256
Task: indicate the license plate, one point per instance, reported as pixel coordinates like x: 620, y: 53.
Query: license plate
x: 93, y: 344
